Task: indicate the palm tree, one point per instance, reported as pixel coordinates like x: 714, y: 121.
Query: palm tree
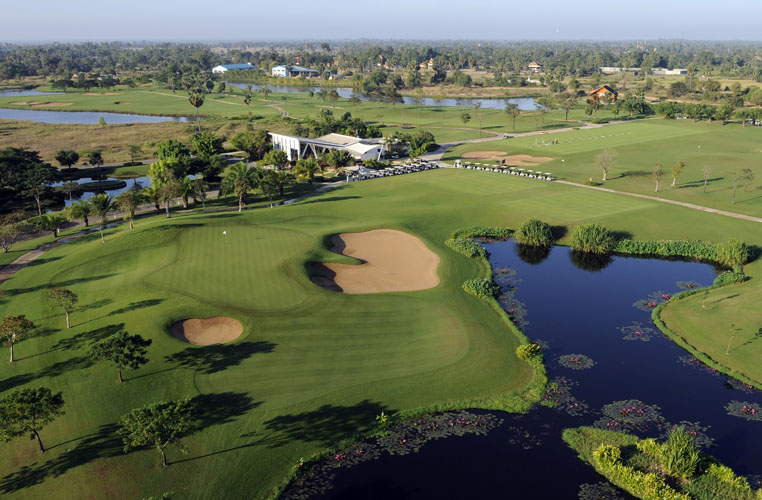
x: 153, y: 194
x: 338, y: 158
x: 282, y: 178
x: 196, y: 99
x: 247, y: 101
x: 201, y: 186
x: 101, y: 205
x: 80, y: 210
x: 240, y: 180
x: 129, y: 201
x: 186, y: 188
x: 512, y: 110
x: 307, y: 167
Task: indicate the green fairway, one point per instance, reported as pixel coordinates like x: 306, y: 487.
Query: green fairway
x: 313, y: 366
x: 643, y: 144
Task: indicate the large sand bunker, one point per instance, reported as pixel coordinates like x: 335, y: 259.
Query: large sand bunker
x: 512, y: 160
x: 41, y: 104
x: 393, y: 261
x: 209, y: 331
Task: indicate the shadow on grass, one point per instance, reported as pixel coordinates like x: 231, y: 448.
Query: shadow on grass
x: 88, y: 338
x: 558, y: 232
x: 43, y: 260
x: 137, y: 305
x: 331, y: 198
x: 20, y: 291
x: 54, y: 370
x: 101, y: 444
x: 326, y: 425
x: 216, y: 358
x: 95, y: 305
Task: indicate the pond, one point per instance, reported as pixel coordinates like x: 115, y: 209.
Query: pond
x: 24, y: 92
x: 523, y: 103
x: 597, y: 312
x: 86, y: 195
x: 82, y: 117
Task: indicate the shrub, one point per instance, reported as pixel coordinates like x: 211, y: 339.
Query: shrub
x: 485, y: 289
x: 467, y: 247
x: 528, y: 352
x: 733, y: 252
x: 679, y: 456
x: 502, y: 233
x: 728, y: 278
x: 607, y: 455
x: 593, y: 183
x: 592, y: 238
x: 700, y: 250
x: 534, y: 232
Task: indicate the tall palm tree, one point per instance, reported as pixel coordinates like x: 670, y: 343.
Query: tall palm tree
x: 153, y: 194
x: 196, y: 99
x: 186, y: 188
x: 282, y: 179
x: 129, y: 201
x: 307, y: 167
x: 247, y: 101
x: 239, y: 181
x: 80, y: 210
x: 101, y: 205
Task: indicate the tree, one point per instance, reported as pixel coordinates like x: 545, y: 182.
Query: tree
x: 239, y: 181
x: 268, y: 183
x: 332, y: 97
x: 101, y: 204
x: 282, y: 179
x: 513, y: 112
x: 95, y: 158
x: 254, y: 144
x: 129, y: 201
x: 605, y: 161
x: 65, y: 299
x: 186, y: 188
x: 658, y: 174
x: 52, y: 222
x: 135, y: 152
x: 307, y: 167
x: 159, y: 424
x: 725, y: 113
x: 338, y: 158
x: 465, y: 118
x: 67, y: 158
x: 28, y: 411
x: 206, y: 145
x: 68, y: 188
x: 677, y: 169
x: 734, y: 178
x: 173, y: 150
x: 201, y: 187
x: 567, y: 102
x: 14, y: 329
x: 153, y: 194
x: 265, y: 92
x: 37, y: 178
x: 707, y: 170
x: 122, y: 349
x: 276, y: 157
x: 196, y: 99
x: 11, y: 227
x: 247, y: 102
x: 747, y: 175
x: 80, y: 211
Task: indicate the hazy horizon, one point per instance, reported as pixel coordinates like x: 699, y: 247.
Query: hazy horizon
x: 341, y: 20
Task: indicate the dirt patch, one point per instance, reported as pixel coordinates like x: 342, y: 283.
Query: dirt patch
x: 102, y: 93
x: 393, y: 261
x: 209, y: 331
x: 512, y: 160
x: 50, y: 104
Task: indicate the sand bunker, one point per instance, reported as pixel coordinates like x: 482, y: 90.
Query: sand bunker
x: 51, y: 104
x: 210, y: 331
x: 102, y: 93
x: 393, y: 261
x: 512, y: 160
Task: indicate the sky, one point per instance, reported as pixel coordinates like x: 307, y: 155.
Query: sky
x: 267, y: 20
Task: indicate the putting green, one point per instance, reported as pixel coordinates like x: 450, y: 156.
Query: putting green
x: 313, y: 366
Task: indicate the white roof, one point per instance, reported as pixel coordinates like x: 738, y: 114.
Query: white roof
x: 361, y: 148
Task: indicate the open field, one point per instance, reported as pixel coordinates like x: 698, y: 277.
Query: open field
x: 643, y: 144
x: 313, y: 366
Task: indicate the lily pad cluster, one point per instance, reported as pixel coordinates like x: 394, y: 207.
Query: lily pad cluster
x: 576, y: 361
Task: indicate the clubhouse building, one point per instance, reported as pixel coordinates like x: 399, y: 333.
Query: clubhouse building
x: 297, y: 148
x: 224, y: 68
x: 284, y: 71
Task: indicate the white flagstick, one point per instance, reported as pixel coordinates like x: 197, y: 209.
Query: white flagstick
x: 225, y: 234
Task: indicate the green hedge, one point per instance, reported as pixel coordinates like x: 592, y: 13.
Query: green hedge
x: 700, y: 250
x: 467, y: 247
x: 485, y: 289
x: 502, y: 233
x: 729, y: 278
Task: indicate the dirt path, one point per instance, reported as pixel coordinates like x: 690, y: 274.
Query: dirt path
x: 664, y: 200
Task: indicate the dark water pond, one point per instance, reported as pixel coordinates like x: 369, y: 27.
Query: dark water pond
x: 523, y: 103
x: 86, y: 195
x: 602, y: 314
x: 82, y: 117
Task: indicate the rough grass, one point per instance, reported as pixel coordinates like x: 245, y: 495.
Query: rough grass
x: 313, y: 367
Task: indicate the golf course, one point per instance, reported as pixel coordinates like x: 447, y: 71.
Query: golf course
x: 314, y: 366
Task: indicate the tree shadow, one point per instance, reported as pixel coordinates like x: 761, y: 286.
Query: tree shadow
x: 326, y: 425
x: 137, y: 305
x: 635, y: 173
x: 20, y: 291
x: 96, y: 304
x: 621, y: 235
x: 54, y: 370
x: 558, y: 232
x: 216, y: 358
x: 222, y: 407
x: 101, y: 444
x: 331, y: 198
x: 88, y: 338
x: 698, y: 183
x: 43, y: 260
